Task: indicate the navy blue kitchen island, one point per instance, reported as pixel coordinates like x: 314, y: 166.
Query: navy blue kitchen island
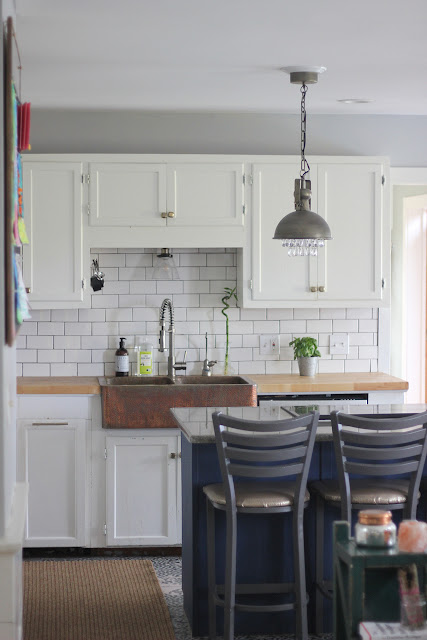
x: 264, y: 547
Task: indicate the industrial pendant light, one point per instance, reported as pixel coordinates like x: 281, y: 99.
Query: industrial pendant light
x: 303, y: 230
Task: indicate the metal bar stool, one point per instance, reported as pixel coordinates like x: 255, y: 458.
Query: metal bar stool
x: 265, y: 452
x: 367, y: 453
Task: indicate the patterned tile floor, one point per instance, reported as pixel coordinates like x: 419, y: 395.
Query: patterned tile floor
x: 168, y: 570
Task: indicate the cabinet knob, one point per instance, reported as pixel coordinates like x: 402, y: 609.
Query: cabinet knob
x: 322, y: 289
x: 171, y: 214
x: 173, y: 456
x: 164, y: 214
x: 28, y: 289
x: 313, y: 289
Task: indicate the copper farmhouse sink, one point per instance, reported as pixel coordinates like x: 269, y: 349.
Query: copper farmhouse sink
x: 138, y: 402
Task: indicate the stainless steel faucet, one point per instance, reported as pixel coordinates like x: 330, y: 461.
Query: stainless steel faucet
x: 172, y: 364
x: 207, y: 364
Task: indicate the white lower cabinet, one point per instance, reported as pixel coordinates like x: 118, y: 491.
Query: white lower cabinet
x: 141, y: 489
x: 52, y: 459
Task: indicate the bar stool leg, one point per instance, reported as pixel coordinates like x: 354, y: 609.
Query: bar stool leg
x: 320, y: 531
x: 301, y: 630
x: 230, y: 574
x: 210, y: 535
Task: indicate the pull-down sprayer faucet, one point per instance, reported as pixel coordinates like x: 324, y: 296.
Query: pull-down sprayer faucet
x: 172, y: 364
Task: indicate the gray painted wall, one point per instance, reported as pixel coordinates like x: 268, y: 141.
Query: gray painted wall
x: 73, y: 131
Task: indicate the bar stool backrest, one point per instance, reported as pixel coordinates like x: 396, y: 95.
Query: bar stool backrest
x: 387, y: 446
x: 264, y: 450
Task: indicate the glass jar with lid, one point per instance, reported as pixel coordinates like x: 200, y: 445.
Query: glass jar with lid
x: 375, y: 528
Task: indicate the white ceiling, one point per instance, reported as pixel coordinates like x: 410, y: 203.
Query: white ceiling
x: 223, y: 55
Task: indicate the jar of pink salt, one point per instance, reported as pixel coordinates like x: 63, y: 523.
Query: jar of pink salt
x: 375, y: 528
x: 412, y: 536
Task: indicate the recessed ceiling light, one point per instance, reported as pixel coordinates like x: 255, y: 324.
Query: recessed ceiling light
x: 354, y: 100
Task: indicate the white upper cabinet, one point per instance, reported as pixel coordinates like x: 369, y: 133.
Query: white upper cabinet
x: 205, y: 194
x: 126, y: 194
x: 353, y: 270
x: 172, y: 201
x: 53, y: 259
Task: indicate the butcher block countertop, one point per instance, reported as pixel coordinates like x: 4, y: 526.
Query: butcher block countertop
x: 271, y: 383
x: 328, y: 382
x: 58, y: 385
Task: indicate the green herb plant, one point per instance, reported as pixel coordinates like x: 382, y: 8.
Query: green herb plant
x: 229, y: 295
x: 305, y: 348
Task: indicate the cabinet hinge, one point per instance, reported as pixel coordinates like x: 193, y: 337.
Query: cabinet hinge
x: 85, y: 178
x: 382, y: 179
x: 84, y: 283
x: 105, y: 529
x: 382, y: 283
x: 248, y: 179
x: 251, y: 285
x: 88, y: 209
x: 244, y: 210
x: 105, y: 453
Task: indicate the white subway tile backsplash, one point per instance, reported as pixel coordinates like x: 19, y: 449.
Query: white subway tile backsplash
x: 91, y: 315
x: 30, y: 369
x: 78, y: 355
x: 144, y: 286
x: 94, y: 342
x: 51, y: 328
x: 66, y: 342
x: 368, y: 325
x: 41, y: 342
x: 319, y: 326
x: 63, y: 369
x: 83, y: 342
x: 90, y: 369
x: 353, y: 366
x: 344, y: 326
x: 117, y: 315
x: 306, y: 314
x: 64, y: 315
x: 78, y: 328
x: 266, y: 326
x: 26, y: 355
x: 105, y: 302
x: 51, y: 355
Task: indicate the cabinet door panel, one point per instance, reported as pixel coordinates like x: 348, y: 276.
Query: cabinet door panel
x: 54, y: 466
x: 127, y: 194
x: 350, y: 199
x: 53, y: 268
x: 275, y: 275
x: 205, y: 194
x: 141, y: 490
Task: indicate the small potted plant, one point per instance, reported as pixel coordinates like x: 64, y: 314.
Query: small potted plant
x: 307, y: 354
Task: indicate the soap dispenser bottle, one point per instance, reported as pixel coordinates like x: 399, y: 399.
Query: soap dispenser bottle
x: 122, y: 359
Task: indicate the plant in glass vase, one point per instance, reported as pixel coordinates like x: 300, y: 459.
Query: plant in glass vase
x: 229, y: 295
x: 307, y: 354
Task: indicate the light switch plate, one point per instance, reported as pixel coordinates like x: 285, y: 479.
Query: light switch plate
x: 338, y: 343
x: 269, y: 345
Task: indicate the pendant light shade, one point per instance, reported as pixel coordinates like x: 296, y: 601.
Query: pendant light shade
x: 302, y: 231
x: 164, y: 266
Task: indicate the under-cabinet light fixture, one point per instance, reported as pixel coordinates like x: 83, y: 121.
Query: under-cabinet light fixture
x: 164, y: 266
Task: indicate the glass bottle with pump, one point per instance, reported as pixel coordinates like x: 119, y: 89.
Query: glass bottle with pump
x: 122, y: 359
x: 145, y: 359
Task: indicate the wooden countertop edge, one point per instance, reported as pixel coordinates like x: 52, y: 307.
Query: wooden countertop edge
x: 58, y: 385
x: 328, y: 388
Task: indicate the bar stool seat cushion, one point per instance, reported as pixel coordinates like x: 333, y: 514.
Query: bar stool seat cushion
x: 256, y: 494
x: 365, y: 491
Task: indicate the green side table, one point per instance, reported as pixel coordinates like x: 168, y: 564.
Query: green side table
x: 365, y: 582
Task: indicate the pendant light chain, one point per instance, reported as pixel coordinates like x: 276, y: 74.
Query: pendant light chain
x: 305, y: 167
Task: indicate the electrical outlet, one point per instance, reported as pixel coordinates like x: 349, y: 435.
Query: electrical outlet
x: 338, y: 343
x: 269, y: 345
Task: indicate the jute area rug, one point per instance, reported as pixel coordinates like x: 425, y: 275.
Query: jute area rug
x: 94, y: 600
